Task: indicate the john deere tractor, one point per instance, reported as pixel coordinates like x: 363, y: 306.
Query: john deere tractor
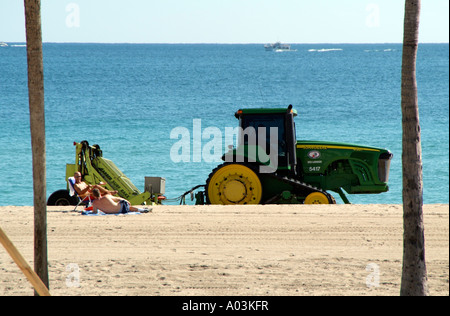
x: 270, y: 165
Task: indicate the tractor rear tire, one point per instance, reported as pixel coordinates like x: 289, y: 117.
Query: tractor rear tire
x: 233, y: 184
x: 61, y: 198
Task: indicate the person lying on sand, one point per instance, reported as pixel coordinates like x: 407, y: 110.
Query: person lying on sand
x: 112, y: 204
x: 84, y: 190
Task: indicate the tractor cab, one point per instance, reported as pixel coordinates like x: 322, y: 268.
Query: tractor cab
x: 271, y: 134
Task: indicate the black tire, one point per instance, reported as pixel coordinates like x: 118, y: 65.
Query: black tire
x: 62, y: 198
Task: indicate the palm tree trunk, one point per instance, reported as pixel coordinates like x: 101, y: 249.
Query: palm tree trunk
x: 37, y: 127
x: 414, y: 274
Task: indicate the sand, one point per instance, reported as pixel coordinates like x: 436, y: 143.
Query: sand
x: 216, y: 250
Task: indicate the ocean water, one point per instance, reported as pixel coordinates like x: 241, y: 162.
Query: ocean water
x: 130, y: 98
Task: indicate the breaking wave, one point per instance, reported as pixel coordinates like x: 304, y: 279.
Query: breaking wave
x: 325, y: 50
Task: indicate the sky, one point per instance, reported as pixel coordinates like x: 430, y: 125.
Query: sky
x: 225, y: 21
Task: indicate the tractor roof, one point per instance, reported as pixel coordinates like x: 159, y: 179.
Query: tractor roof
x: 265, y: 111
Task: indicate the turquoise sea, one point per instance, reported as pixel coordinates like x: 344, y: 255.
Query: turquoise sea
x: 128, y: 98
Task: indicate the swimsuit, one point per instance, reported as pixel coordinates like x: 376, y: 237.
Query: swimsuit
x: 124, y: 207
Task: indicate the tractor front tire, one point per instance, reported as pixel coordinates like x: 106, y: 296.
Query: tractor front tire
x: 61, y: 198
x: 318, y: 198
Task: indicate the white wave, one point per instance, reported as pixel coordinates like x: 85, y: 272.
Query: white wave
x: 325, y: 50
x: 379, y: 50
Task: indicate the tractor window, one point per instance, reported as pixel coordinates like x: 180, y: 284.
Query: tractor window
x: 267, y: 121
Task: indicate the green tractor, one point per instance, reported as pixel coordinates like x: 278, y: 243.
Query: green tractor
x: 95, y: 169
x: 294, y: 172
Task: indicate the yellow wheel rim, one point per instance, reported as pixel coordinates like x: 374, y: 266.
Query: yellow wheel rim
x: 234, y: 184
x: 317, y: 198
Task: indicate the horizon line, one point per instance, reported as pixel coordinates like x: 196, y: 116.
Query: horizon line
x: 222, y: 43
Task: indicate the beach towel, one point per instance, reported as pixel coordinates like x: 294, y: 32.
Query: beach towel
x: 100, y: 213
x: 71, y: 181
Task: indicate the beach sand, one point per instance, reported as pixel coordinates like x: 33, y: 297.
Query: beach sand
x: 226, y: 250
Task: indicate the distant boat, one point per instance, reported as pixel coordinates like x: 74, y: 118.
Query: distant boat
x: 3, y: 44
x: 278, y: 47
